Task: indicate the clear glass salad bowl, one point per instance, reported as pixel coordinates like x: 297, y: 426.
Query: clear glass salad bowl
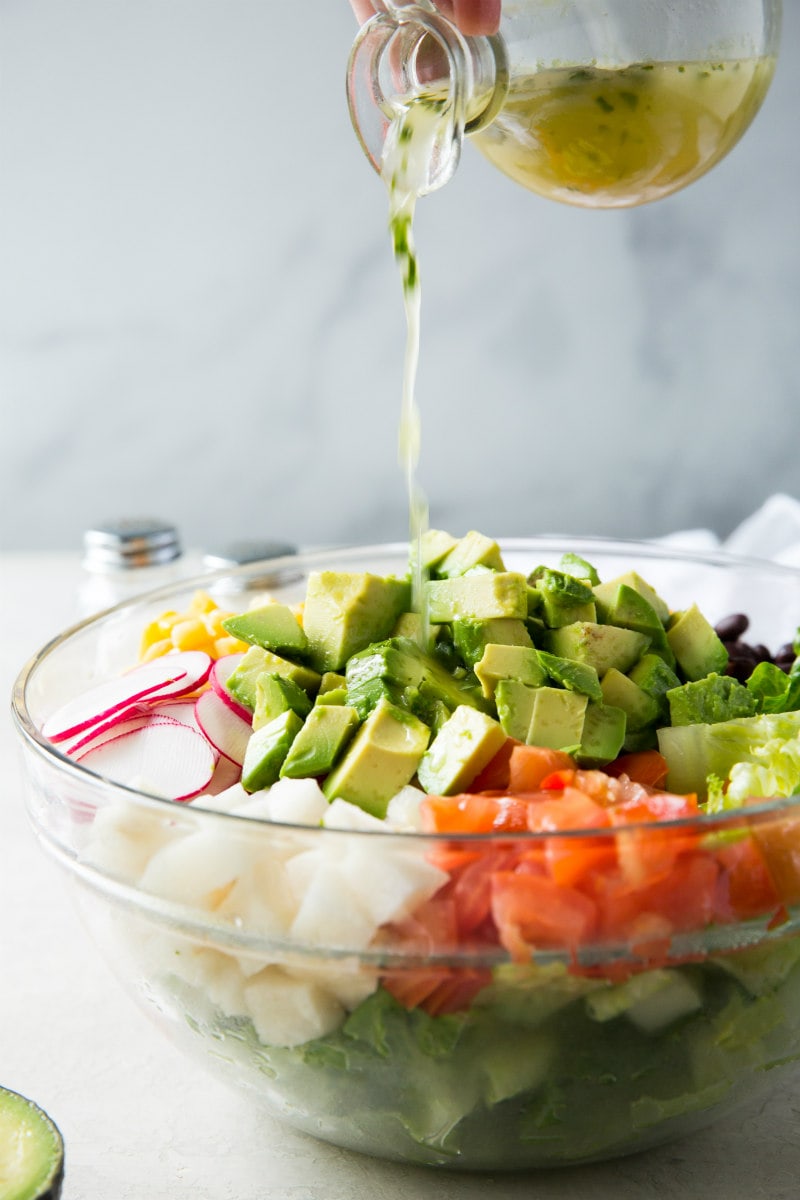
x: 378, y: 988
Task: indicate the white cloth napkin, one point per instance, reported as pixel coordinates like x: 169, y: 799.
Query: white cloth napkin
x: 771, y: 532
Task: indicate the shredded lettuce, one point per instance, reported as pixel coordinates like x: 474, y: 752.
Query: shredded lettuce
x: 775, y: 772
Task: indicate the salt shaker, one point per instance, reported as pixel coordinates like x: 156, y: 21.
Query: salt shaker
x: 125, y: 557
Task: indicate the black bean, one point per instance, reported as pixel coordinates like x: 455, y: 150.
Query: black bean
x: 762, y: 653
x: 729, y: 629
x: 786, y: 651
x: 741, y: 652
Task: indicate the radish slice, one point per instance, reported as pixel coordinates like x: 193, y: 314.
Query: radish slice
x: 226, y: 774
x: 221, y: 672
x: 227, y: 733
x: 111, y: 725
x: 172, y: 675
x: 163, y: 757
x: 176, y: 710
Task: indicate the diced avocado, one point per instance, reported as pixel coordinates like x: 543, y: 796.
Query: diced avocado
x: 620, y: 691
x: 693, y: 752
x: 579, y: 568
x: 575, y: 676
x: 344, y: 612
x: 709, y: 701
x: 694, y: 643
x: 655, y: 678
x: 600, y: 646
x: 435, y: 544
x: 644, y: 739
x: 565, y: 599
x: 509, y: 662
x: 473, y: 550
x: 267, y: 749
x: 327, y: 730
x: 620, y: 604
x: 273, y: 627
x: 478, y: 597
x: 606, y: 591
x: 557, y: 720
x: 334, y: 696
x: 399, y: 671
x: 515, y: 701
x: 461, y: 749
x: 409, y: 625
x: 472, y: 637
x: 602, y: 735
x: 330, y: 682
x: 275, y: 695
x: 241, y: 683
x: 382, y: 758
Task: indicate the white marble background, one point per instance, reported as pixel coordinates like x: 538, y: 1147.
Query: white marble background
x: 199, y: 316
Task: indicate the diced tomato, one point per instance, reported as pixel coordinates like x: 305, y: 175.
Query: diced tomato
x: 437, y: 990
x: 645, y: 766
x: 474, y: 813
x: 495, y: 776
x: 780, y: 844
x: 573, y: 809
x: 745, y: 888
x: 471, y: 889
x: 685, y: 895
x: 431, y: 927
x: 595, y: 784
x: 532, y: 911
x: 529, y: 765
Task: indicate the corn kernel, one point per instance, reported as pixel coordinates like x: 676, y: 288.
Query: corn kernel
x: 190, y: 634
x: 202, y: 603
x: 156, y: 650
x: 228, y: 645
x: 213, y: 622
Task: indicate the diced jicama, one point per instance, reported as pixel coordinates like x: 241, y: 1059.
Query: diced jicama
x: 330, y: 912
x: 199, y: 869
x: 297, y: 802
x: 170, y: 675
x: 125, y: 837
x: 289, y: 1012
x: 403, y: 813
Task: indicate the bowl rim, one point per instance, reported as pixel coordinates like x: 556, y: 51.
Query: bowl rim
x: 291, y: 568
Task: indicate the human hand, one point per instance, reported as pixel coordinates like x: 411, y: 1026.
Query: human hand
x: 473, y: 17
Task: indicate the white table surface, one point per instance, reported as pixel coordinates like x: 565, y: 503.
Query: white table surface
x: 141, y: 1122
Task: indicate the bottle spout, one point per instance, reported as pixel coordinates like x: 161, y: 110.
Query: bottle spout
x: 410, y: 52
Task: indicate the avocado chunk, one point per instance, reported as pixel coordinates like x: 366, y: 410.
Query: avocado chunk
x: 473, y: 550
x: 509, y: 662
x: 654, y: 677
x: 514, y: 702
x: 709, y: 701
x: 599, y: 646
x: 274, y: 695
x: 381, y: 759
x: 267, y: 749
x: 620, y: 604
x: 344, y: 612
x: 273, y: 627
x: 472, y: 637
x: 330, y: 682
x: 575, y: 676
x: 334, y: 696
x: 410, y: 625
x: 605, y: 593
x: 478, y: 597
x: 399, y: 671
x: 327, y: 730
x: 579, y: 568
x: 435, y: 544
x: 620, y: 691
x: 564, y: 598
x: 557, y: 720
x: 241, y: 683
x: 461, y: 749
x: 694, y: 643
x: 602, y: 735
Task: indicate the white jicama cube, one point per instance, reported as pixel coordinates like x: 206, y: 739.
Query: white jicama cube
x: 403, y: 813
x: 345, y: 978
x: 330, y: 912
x: 298, y: 802
x: 198, y: 869
x: 261, y: 901
x: 343, y: 815
x: 223, y: 802
x: 287, y: 1011
x: 125, y: 838
x: 390, y: 881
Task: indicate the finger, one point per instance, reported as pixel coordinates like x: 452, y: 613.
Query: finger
x: 477, y: 17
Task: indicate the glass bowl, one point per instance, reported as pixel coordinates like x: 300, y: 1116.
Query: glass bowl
x: 323, y: 970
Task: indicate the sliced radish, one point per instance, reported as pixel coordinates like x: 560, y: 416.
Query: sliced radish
x: 171, y: 675
x: 176, y: 710
x: 163, y: 757
x: 110, y: 725
x: 227, y: 732
x: 221, y: 672
x: 226, y: 774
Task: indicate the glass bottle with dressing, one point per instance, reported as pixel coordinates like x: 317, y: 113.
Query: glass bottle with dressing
x: 596, y: 103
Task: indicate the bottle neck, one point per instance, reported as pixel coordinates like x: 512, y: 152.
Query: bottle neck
x: 410, y: 49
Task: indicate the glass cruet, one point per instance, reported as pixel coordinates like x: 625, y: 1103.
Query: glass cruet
x: 598, y: 103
